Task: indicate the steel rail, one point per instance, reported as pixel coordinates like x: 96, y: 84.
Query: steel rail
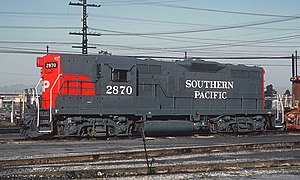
x: 89, y: 172
x: 140, y: 154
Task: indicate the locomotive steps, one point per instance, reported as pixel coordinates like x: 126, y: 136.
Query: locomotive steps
x: 164, y: 161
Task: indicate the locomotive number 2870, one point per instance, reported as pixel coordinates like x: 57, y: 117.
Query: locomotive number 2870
x: 50, y: 65
x: 116, y: 90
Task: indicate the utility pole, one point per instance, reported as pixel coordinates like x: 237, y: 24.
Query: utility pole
x: 47, y: 47
x: 84, y: 46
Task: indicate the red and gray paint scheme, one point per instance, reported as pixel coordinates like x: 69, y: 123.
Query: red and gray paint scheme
x: 101, y: 95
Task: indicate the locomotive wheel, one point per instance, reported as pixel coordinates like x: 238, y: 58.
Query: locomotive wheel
x: 232, y: 128
x: 284, y: 126
x: 24, y: 131
x: 60, y: 131
x: 110, y: 131
x: 213, y: 128
x: 250, y: 127
x: 90, y: 132
x: 265, y: 127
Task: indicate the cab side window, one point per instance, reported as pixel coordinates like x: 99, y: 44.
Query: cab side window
x: 119, y: 75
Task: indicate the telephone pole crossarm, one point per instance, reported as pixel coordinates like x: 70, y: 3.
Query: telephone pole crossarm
x: 80, y: 33
x: 82, y: 4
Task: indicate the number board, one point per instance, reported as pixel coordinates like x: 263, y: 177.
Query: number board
x: 50, y: 65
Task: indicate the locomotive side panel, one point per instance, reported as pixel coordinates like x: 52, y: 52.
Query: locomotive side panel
x: 96, y: 95
x: 140, y: 87
x: 130, y: 86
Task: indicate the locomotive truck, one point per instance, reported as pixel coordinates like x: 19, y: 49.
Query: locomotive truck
x: 107, y: 95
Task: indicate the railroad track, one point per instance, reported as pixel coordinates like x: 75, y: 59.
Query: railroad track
x: 280, y: 155
x: 9, y: 130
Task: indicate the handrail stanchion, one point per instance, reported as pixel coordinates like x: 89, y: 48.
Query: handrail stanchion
x: 23, y: 104
x: 279, y: 110
x: 36, y: 99
x: 51, y: 95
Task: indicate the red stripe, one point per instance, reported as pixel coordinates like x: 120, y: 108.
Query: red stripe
x: 78, y: 85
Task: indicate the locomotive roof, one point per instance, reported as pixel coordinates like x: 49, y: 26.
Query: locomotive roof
x: 189, y: 63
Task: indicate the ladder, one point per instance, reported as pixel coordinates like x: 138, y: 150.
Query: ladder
x: 44, y: 125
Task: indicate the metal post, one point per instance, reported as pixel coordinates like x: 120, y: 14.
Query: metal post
x: 1, y: 103
x: 296, y: 63
x: 23, y: 104
x: 144, y: 140
x: 293, y: 66
x: 185, y: 55
x: 12, y: 111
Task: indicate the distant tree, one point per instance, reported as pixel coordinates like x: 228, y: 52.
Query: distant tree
x: 270, y: 91
x: 287, y: 93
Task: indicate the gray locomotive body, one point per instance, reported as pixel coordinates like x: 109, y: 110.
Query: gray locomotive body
x: 162, y: 97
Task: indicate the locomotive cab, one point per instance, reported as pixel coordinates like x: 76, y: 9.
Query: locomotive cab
x: 73, y: 91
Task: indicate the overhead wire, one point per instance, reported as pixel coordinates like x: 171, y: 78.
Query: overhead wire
x: 222, y: 11
x: 161, y: 35
x: 119, y: 33
x: 39, y: 27
x: 231, y: 12
x: 127, y: 47
x: 138, y: 2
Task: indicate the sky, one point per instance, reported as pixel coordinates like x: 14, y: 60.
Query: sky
x: 213, y: 30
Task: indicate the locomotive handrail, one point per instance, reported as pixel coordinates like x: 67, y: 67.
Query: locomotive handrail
x: 23, y: 104
x: 36, y: 99
x: 51, y: 95
x: 279, y: 109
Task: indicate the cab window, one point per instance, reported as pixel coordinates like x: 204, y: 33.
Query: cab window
x: 119, y: 75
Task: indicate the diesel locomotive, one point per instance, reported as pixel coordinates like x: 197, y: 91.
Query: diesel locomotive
x: 106, y: 95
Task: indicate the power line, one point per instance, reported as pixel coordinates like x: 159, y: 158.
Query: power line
x: 156, y: 50
x: 164, y: 4
x: 36, y: 13
x: 39, y: 14
x: 175, y: 39
x: 138, y: 2
x: 194, y: 48
x: 22, y: 50
x: 143, y: 20
x: 120, y: 33
x: 37, y: 42
x: 18, y: 74
x: 224, y: 11
x: 39, y: 27
x: 249, y: 43
x: 167, y: 57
